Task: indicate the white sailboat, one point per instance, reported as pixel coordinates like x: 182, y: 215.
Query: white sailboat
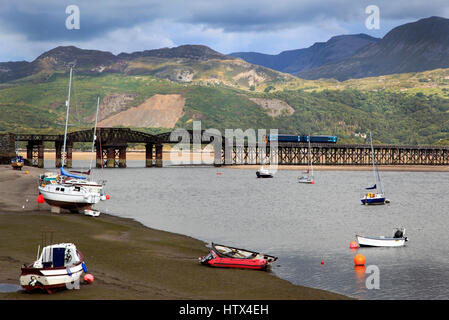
x: 376, y: 196
x: 69, y: 191
x: 307, y: 177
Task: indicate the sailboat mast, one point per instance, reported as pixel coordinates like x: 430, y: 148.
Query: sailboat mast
x: 310, y: 158
x: 67, y: 118
x: 95, y: 137
x: 375, y: 171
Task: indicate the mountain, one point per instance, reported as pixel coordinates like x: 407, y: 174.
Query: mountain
x: 187, y: 63
x: 412, y: 47
x: 295, y: 61
x: 195, y: 52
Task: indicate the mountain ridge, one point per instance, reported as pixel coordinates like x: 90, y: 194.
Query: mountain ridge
x: 412, y: 47
x: 297, y: 60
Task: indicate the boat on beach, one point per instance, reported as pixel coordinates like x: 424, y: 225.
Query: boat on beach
x: 57, y: 266
x: 397, y: 240
x: 68, y: 190
x: 230, y: 257
x: 17, y: 162
x: 264, y: 173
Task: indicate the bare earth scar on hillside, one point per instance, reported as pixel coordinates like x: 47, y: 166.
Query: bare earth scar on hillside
x: 157, y: 111
x: 274, y: 107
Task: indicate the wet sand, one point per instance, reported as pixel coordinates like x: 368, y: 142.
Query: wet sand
x: 128, y: 260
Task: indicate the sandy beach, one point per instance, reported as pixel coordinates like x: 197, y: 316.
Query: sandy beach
x: 128, y: 260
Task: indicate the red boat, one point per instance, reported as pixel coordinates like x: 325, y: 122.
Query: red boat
x: 229, y: 257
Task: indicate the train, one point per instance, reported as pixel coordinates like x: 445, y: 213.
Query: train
x: 300, y: 138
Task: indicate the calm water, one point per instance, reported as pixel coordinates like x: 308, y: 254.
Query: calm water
x: 301, y: 224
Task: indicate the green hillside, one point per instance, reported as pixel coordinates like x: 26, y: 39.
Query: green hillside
x: 393, y: 116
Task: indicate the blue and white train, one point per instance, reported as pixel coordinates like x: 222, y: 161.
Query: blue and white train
x: 301, y: 138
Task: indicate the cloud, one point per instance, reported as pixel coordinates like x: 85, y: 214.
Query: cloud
x: 227, y: 26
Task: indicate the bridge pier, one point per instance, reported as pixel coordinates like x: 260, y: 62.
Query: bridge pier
x: 35, y: 153
x: 68, y: 156
x: 113, y: 156
x: 110, y: 158
x: 58, y: 150
x: 218, y: 156
x: 159, y: 153
x: 122, y: 157
x: 149, y: 155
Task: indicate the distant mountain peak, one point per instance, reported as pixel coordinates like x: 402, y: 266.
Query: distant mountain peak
x: 188, y: 51
x: 320, y: 53
x: 412, y: 47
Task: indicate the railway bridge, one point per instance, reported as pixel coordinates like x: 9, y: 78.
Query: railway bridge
x: 111, y: 145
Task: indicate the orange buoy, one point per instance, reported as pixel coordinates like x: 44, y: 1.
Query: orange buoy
x: 353, y: 245
x: 359, y: 260
x: 26, y: 172
x: 88, y: 278
x: 40, y: 199
x: 108, y: 197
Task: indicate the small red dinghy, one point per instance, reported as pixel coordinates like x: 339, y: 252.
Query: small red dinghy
x: 229, y: 257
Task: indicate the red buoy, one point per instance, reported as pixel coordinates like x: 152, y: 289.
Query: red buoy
x: 40, y: 199
x: 359, y: 260
x: 353, y: 245
x: 313, y: 182
x: 108, y: 197
x: 88, y: 278
x: 322, y: 262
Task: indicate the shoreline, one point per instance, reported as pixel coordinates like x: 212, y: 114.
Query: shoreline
x: 128, y: 259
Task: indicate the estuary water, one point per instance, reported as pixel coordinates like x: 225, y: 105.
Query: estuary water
x: 301, y: 224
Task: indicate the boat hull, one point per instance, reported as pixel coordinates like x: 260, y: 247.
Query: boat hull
x: 50, y: 278
x: 80, y: 201
x: 305, y: 180
x: 17, y: 165
x: 263, y: 175
x: 257, y: 264
x: 380, y: 242
x: 373, y: 201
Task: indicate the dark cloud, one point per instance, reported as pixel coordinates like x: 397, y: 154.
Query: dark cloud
x: 45, y: 19
x: 226, y: 25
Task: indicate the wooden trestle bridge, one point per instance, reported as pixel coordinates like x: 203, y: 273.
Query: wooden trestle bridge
x: 111, y: 145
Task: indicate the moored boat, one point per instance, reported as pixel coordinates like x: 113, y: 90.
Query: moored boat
x: 398, y: 240
x: 307, y: 176
x: 376, y: 195
x: 230, y: 257
x: 58, y: 266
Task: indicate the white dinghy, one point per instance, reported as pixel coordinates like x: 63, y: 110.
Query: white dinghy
x: 398, y: 240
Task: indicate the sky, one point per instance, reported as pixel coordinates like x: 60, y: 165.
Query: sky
x: 31, y: 27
